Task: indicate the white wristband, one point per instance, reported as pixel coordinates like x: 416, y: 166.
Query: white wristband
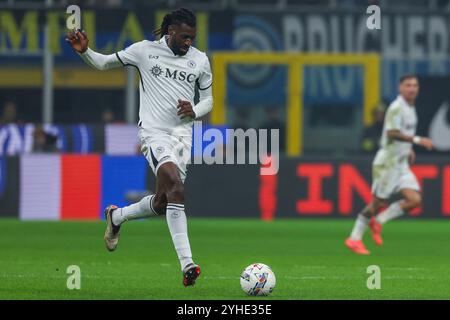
x: 416, y: 140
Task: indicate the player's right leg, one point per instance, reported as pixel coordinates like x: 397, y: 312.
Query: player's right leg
x: 354, y: 242
x: 112, y: 231
x: 385, y: 181
x: 115, y: 217
x: 144, y: 208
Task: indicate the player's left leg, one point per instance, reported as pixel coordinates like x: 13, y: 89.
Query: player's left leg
x: 409, y: 189
x: 410, y: 199
x: 171, y: 195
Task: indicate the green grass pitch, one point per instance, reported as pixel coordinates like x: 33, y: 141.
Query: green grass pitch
x: 307, y: 256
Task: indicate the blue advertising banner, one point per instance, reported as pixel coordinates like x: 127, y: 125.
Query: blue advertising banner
x: 120, y: 175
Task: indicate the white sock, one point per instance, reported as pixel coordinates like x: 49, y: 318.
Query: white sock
x: 176, y: 220
x: 141, y: 209
x: 392, y: 212
x: 359, y: 228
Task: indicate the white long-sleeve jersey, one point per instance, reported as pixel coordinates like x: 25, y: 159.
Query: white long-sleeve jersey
x: 165, y: 78
x: 399, y: 116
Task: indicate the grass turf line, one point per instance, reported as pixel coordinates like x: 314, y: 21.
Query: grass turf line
x: 307, y: 256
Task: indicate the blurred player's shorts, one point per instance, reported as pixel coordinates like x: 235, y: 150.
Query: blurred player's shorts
x: 389, y: 180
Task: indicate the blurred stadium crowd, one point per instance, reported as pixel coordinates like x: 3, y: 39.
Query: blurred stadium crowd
x: 331, y: 115
x: 240, y: 4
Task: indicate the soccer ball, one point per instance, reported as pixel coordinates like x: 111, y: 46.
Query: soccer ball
x: 258, y: 280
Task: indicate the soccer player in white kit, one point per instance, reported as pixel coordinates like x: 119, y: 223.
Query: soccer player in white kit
x: 170, y: 69
x: 391, y: 173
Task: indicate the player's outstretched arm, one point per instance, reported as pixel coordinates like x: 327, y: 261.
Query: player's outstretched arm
x: 421, y: 141
x: 79, y: 41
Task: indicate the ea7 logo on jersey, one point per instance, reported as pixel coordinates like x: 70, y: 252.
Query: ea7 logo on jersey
x: 173, y: 74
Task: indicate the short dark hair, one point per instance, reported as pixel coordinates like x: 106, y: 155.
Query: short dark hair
x: 179, y: 16
x: 407, y: 77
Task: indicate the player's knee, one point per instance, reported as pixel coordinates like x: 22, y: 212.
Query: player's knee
x: 372, y: 208
x: 414, y: 200
x: 175, y: 192
x: 159, y: 204
x: 376, y: 205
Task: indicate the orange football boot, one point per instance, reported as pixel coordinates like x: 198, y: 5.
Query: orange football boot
x: 376, y: 227
x: 357, y: 246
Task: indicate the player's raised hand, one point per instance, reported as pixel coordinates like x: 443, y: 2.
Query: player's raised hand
x: 426, y: 143
x: 78, y: 40
x: 185, y: 109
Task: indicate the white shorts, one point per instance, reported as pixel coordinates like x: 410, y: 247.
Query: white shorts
x: 389, y: 181
x: 161, y: 147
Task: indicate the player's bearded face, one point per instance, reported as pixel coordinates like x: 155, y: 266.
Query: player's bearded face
x: 181, y: 38
x: 410, y: 89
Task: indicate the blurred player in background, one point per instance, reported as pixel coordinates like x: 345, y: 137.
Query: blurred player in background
x: 170, y: 69
x: 391, y: 172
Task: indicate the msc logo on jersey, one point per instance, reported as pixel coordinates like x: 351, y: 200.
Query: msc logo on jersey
x: 173, y: 74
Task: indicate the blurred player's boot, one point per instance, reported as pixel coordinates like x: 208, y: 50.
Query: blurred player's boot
x: 357, y: 246
x: 376, y: 227
x: 112, y: 231
x: 190, y: 273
